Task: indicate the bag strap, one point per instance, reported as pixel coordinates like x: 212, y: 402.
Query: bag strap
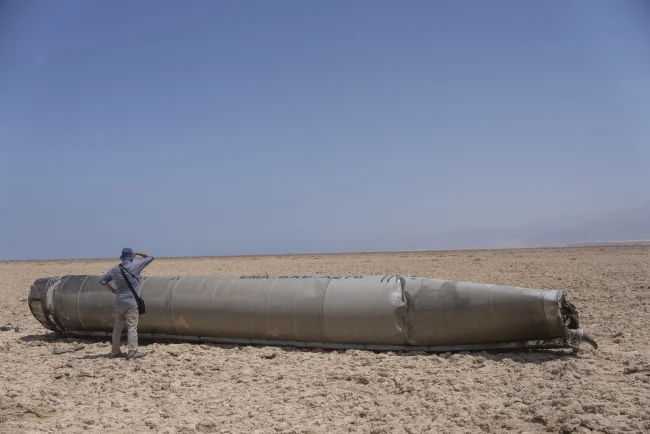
x: 130, y: 274
x: 128, y: 282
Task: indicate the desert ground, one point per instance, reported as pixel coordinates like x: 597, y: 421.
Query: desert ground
x: 184, y: 387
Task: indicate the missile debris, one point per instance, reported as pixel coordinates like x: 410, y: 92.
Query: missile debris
x: 391, y: 312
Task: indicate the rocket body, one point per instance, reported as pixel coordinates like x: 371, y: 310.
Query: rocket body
x: 374, y: 312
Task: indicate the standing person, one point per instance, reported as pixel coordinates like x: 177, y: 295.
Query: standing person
x: 126, y: 307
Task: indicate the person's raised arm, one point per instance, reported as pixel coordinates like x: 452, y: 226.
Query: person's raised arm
x: 139, y: 266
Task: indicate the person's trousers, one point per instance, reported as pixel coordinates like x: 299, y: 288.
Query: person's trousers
x: 125, y: 315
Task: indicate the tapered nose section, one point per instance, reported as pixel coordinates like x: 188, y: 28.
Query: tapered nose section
x: 445, y: 312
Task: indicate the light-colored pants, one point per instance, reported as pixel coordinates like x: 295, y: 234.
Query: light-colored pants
x: 128, y: 315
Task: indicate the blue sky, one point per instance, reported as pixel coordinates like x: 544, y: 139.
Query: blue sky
x: 213, y: 127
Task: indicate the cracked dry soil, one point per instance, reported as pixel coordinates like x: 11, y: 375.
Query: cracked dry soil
x: 228, y: 389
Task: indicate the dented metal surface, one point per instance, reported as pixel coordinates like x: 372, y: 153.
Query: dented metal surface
x: 366, y: 312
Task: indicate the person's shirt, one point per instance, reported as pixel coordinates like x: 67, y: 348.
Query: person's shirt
x: 123, y: 294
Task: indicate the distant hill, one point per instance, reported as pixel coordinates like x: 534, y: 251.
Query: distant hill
x: 622, y: 226
x: 631, y: 224
x: 611, y: 243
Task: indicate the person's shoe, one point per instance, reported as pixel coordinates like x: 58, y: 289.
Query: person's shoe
x: 117, y: 355
x: 136, y: 355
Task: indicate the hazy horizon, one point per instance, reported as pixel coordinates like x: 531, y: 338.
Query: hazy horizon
x: 212, y: 129
x: 622, y: 244
x: 402, y: 245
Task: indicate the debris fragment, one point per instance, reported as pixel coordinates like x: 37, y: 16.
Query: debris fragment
x: 9, y: 326
x: 67, y: 350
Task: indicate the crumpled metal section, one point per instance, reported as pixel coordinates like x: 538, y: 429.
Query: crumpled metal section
x: 366, y: 312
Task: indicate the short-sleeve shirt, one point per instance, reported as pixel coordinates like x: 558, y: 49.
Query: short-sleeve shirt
x: 123, y: 295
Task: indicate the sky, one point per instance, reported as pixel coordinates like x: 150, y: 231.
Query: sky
x: 257, y: 127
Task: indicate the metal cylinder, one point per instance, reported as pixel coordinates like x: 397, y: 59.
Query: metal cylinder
x: 379, y: 312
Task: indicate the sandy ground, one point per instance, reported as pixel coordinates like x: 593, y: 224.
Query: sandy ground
x: 211, y: 388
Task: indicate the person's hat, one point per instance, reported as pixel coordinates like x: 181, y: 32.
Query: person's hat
x: 127, y: 254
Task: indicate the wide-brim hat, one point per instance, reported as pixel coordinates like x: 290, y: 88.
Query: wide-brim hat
x: 127, y: 254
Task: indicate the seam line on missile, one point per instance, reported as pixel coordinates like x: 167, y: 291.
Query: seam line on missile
x: 78, y: 296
